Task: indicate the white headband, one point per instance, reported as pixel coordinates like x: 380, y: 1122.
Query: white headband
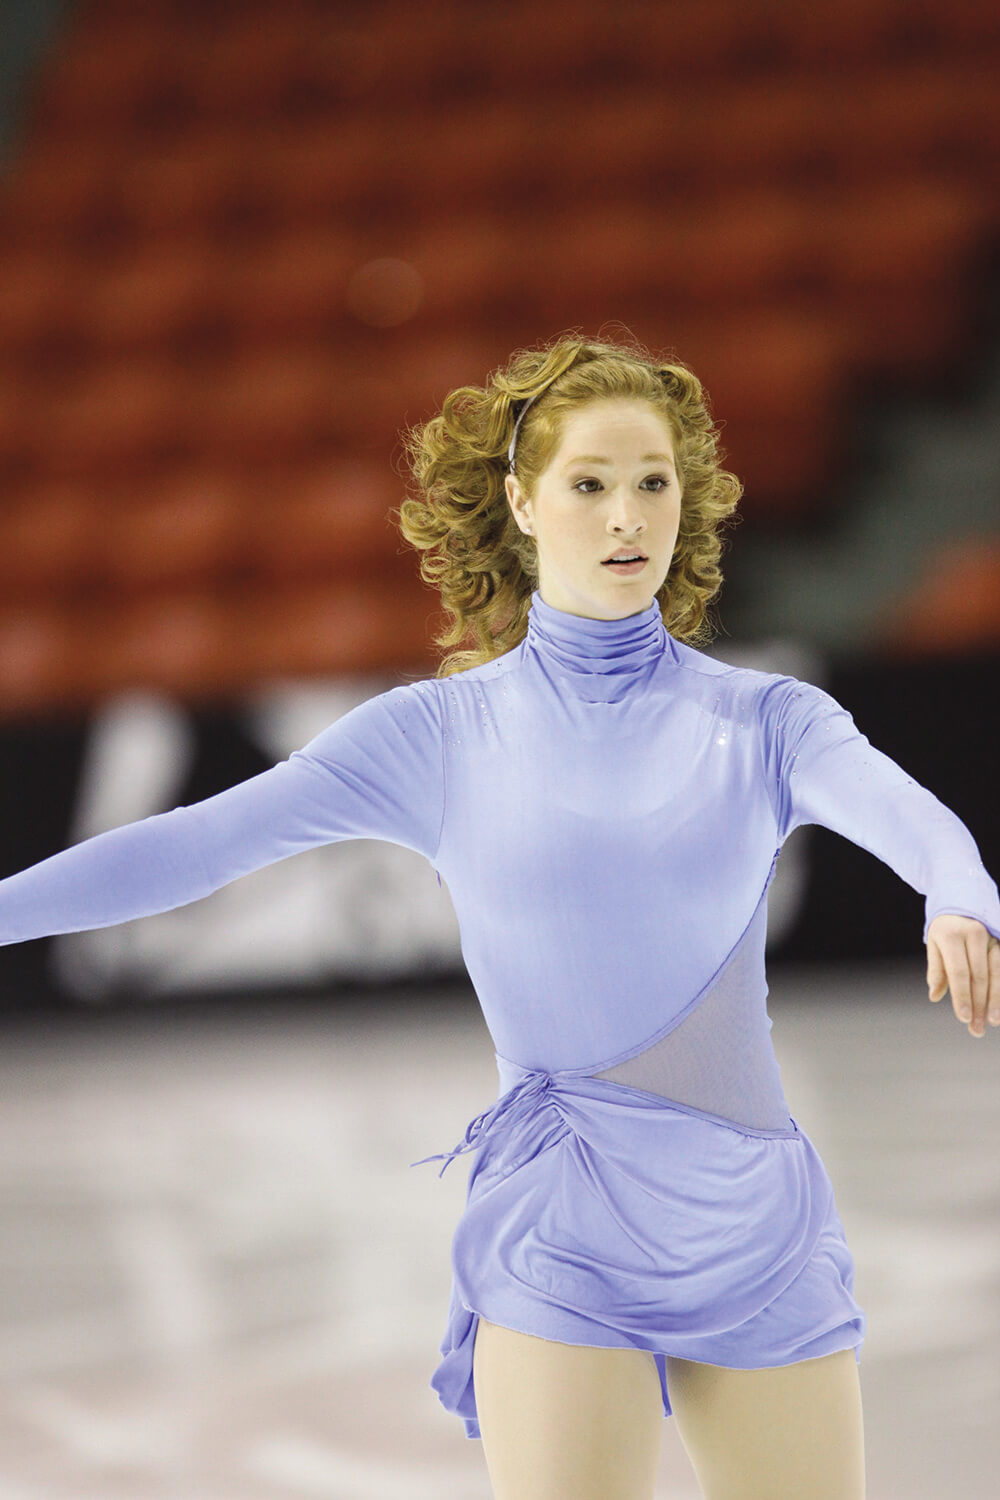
x: 510, y: 450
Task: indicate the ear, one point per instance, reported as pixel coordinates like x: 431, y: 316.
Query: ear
x: 515, y: 499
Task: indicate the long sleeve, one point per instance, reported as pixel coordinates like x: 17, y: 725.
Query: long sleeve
x: 375, y: 773
x: 822, y: 769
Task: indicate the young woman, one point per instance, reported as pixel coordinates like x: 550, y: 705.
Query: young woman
x: 608, y: 804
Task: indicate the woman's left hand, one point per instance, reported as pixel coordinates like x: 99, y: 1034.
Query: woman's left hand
x: 964, y: 957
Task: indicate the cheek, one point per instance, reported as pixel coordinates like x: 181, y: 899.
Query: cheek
x: 563, y: 524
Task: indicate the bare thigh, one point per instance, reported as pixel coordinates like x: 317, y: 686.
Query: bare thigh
x: 565, y: 1421
x: 786, y: 1432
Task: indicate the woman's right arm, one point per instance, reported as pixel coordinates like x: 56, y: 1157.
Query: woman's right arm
x: 374, y: 773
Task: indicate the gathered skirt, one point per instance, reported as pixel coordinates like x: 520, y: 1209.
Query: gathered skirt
x: 606, y: 1215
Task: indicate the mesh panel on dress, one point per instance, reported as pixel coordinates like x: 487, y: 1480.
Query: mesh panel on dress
x: 719, y: 1058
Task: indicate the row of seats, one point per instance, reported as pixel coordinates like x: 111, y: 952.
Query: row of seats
x: 127, y: 522
x: 107, y: 362
x: 147, y: 71
x: 198, y: 643
x: 209, y: 643
x: 751, y: 248
x: 780, y: 384
x: 891, y: 125
x: 196, y: 524
x: 93, y: 402
x: 775, y: 377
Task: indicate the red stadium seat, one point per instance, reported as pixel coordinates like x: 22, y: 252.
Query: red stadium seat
x: 176, y: 642
x: 490, y: 149
x: 289, y: 285
x: 139, y: 300
x: 53, y: 191
x: 915, y: 230
x: 50, y: 542
x: 330, y: 517
x: 21, y: 423
x: 271, y: 403
x: 184, y: 185
x: 778, y: 379
x: 316, y: 174
x: 363, y: 626
x: 98, y: 78
x: 925, y: 118
x: 180, y: 527
x: 464, y: 263
x: 113, y: 415
x: 856, y: 31
x: 237, y: 67
x: 43, y: 661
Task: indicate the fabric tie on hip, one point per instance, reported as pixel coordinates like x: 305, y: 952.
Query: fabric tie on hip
x: 513, y: 1106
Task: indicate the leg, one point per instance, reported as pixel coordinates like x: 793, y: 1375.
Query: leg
x: 565, y: 1422
x: 786, y: 1432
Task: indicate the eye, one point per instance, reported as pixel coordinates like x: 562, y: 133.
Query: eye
x: 659, y: 477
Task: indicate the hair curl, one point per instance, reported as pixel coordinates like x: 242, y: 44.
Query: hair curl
x: 472, y: 549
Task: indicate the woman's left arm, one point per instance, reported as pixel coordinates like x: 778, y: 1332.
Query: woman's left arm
x: 964, y: 957
x: 822, y: 769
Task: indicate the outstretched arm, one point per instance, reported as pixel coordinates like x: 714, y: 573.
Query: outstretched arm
x: 822, y: 769
x: 374, y: 773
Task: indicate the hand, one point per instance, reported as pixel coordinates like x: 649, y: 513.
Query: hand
x: 964, y: 957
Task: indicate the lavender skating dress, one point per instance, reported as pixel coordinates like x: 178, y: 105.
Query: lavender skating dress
x: 607, y: 806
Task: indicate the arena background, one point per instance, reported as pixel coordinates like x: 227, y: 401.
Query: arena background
x: 240, y: 247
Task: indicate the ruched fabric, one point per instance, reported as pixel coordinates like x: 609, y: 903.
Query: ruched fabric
x: 600, y: 1214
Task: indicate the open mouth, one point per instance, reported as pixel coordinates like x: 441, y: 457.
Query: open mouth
x: 636, y: 566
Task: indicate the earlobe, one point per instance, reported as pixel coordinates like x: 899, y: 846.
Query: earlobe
x: 514, y: 500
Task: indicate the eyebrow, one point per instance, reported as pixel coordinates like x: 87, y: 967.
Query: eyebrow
x: 593, y: 458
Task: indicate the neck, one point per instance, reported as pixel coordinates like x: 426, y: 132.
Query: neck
x: 599, y: 660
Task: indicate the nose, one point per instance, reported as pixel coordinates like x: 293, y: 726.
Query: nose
x: 627, y: 519
x: 626, y: 510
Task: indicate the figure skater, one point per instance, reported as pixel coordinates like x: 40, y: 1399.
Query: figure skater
x: 647, y: 1230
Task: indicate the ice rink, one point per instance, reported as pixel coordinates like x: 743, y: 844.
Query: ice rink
x: 220, y: 1279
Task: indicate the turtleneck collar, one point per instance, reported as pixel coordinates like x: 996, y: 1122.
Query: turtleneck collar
x: 599, y: 660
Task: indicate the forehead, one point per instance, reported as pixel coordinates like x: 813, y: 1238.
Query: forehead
x: 606, y: 422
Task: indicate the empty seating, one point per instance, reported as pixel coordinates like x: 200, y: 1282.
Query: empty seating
x: 114, y: 415
x: 242, y: 247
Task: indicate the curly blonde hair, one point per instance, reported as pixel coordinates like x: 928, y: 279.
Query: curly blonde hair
x: 472, y: 549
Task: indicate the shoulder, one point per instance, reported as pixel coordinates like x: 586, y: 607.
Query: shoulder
x: 718, y: 673
x: 499, y: 666
x: 408, y: 713
x: 779, y: 700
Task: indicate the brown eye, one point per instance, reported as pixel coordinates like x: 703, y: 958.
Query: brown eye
x: 663, y: 481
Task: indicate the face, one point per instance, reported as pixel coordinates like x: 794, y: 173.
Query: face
x: 603, y: 491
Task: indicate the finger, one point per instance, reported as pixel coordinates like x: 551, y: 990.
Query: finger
x: 960, y: 1001
x: 959, y: 982
x: 937, y: 981
x: 956, y: 961
x: 979, y: 978
x: 993, y: 961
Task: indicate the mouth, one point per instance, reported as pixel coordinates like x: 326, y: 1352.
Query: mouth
x: 625, y: 568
